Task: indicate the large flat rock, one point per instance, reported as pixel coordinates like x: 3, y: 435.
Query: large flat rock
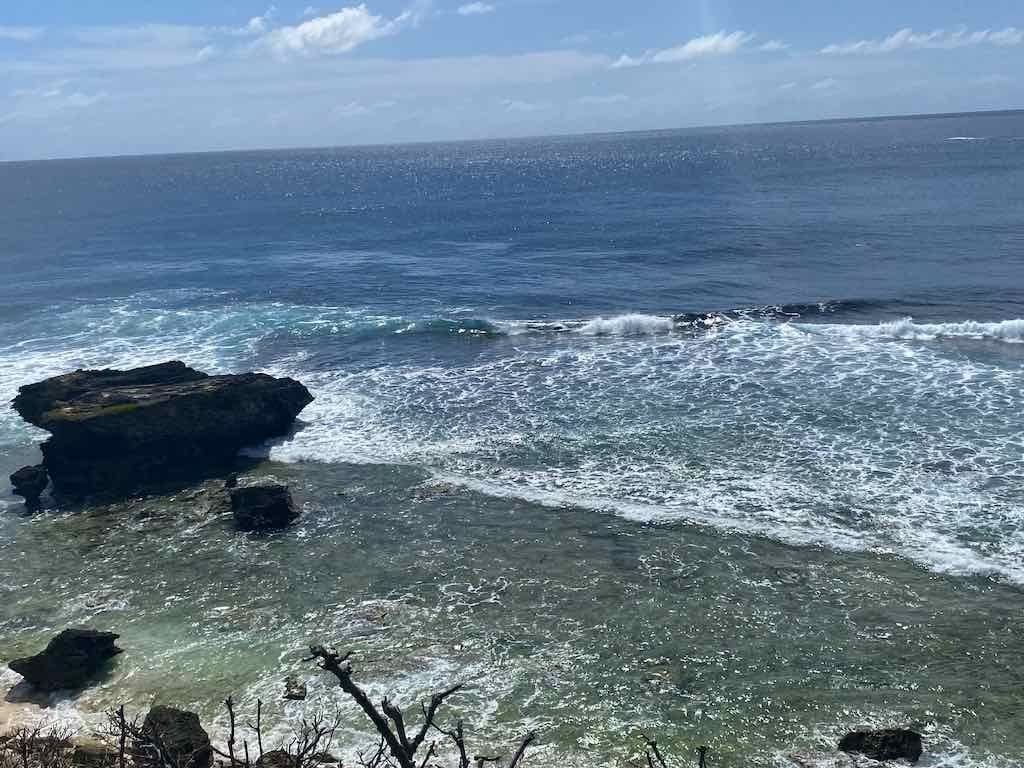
x: 119, y: 431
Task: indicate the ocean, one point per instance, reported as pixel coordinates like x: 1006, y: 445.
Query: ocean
x: 712, y: 434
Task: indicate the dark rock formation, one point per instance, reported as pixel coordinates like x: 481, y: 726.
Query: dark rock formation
x: 888, y: 744
x: 276, y: 758
x: 178, y: 735
x: 116, y: 432
x: 262, y: 505
x: 71, y: 659
x: 30, y: 482
x: 294, y: 689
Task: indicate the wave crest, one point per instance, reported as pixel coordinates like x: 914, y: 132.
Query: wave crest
x: 1004, y: 330
x: 628, y: 325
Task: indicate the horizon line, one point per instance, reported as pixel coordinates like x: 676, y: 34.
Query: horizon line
x: 529, y: 137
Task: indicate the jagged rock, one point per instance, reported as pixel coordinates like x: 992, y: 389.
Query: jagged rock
x: 276, y: 758
x: 30, y: 482
x: 294, y: 689
x: 887, y: 744
x: 116, y: 432
x: 179, y: 735
x: 262, y: 504
x: 71, y: 659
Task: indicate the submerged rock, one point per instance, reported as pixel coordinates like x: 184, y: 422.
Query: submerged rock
x: 29, y: 483
x: 116, y: 432
x: 70, y: 661
x: 294, y: 689
x: 887, y: 744
x: 262, y: 505
x: 179, y: 735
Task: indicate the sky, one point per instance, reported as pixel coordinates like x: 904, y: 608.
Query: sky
x: 113, y: 77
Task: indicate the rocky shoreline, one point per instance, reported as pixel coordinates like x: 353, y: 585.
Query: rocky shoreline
x: 119, y: 433
x: 170, y: 737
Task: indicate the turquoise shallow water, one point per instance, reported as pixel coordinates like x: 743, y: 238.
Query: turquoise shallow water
x: 729, y: 422
x: 586, y: 626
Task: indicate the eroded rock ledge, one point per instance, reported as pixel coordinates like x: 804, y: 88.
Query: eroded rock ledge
x: 115, y: 432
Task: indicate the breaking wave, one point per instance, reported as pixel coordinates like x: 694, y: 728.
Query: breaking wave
x: 1011, y: 331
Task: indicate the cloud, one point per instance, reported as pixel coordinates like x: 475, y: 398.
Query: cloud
x: 359, y: 109
x: 514, y: 105
x: 825, y: 85
x: 49, y: 100
x: 21, y: 34
x: 614, y: 98
x: 773, y: 46
x: 908, y: 39
x: 475, y: 9
x: 338, y: 32
x: 149, y: 35
x: 718, y: 44
x: 259, y: 25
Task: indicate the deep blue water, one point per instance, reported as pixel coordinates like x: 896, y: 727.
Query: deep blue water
x: 526, y: 316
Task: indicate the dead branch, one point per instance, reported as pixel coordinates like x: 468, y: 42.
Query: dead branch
x: 527, y: 740
x: 657, y: 753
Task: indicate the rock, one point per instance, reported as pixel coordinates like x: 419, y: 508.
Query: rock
x: 71, y: 659
x: 30, y: 482
x: 180, y: 735
x: 888, y: 744
x: 262, y: 505
x: 294, y: 689
x: 119, y: 432
x: 276, y: 758
x: 93, y: 754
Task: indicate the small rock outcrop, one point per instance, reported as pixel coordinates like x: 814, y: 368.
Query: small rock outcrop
x: 262, y: 504
x: 29, y: 483
x: 71, y: 660
x: 887, y: 744
x: 93, y: 754
x: 116, y: 432
x: 294, y: 689
x: 276, y: 758
x: 179, y: 735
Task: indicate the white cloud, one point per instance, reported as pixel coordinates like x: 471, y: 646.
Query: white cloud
x: 908, y: 39
x: 258, y: 25
x: 825, y: 85
x: 475, y: 9
x: 310, y: 10
x: 718, y: 44
x: 774, y: 45
x: 709, y: 45
x: 359, y: 109
x: 338, y: 32
x: 625, y: 61
x: 20, y: 34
